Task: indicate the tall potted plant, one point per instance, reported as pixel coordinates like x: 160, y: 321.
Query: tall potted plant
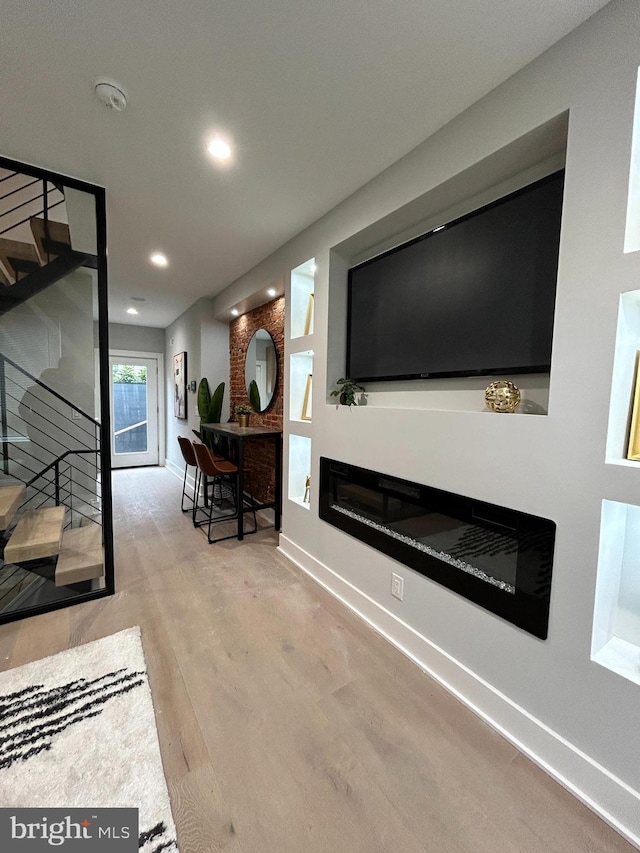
x: 209, y: 405
x: 254, y: 396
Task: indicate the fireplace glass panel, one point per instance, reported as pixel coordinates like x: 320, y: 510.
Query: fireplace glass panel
x: 488, y: 554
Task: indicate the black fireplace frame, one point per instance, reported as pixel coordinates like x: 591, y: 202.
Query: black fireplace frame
x: 527, y: 606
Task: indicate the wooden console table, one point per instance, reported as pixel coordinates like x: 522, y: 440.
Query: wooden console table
x: 238, y: 435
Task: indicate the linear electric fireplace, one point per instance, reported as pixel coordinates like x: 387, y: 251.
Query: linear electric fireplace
x: 497, y: 557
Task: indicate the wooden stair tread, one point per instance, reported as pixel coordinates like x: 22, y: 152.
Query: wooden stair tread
x: 38, y: 534
x: 58, y: 232
x: 10, y: 499
x: 21, y: 251
x: 80, y: 555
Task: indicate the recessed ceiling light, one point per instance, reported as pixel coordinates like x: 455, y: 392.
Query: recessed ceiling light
x: 313, y: 267
x: 159, y: 259
x: 132, y: 310
x: 219, y: 148
x: 235, y: 312
x: 271, y: 291
x: 439, y: 228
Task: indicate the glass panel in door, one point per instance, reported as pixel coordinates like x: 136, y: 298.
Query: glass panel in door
x: 134, y: 411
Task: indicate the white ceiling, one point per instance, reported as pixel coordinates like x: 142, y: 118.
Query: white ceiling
x: 318, y: 97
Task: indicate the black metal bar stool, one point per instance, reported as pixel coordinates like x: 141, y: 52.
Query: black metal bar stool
x: 219, y: 472
x: 190, y: 461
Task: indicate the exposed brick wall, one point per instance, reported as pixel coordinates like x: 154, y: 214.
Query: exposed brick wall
x: 259, y: 455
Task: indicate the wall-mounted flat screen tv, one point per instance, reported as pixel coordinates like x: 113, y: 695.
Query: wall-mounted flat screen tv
x: 473, y: 298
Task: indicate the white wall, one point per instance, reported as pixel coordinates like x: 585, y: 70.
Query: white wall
x: 136, y: 338
x: 65, y: 310
x: 206, y: 342
x: 577, y: 718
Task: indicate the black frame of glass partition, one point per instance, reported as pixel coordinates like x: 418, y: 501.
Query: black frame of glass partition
x: 528, y: 608
x: 105, y: 405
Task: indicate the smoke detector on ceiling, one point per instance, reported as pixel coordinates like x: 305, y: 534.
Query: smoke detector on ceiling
x: 111, y: 95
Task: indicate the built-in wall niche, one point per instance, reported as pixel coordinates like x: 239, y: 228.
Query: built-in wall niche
x: 302, y: 299
x: 300, y: 470
x: 632, y: 230
x: 616, y: 623
x: 532, y: 157
x: 300, y: 386
x: 622, y: 384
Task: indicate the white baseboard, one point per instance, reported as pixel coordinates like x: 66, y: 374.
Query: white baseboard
x: 179, y: 472
x: 608, y: 796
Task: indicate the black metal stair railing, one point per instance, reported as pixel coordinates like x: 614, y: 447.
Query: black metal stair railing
x: 39, y: 198
x: 34, y: 274
x: 62, y: 481
x: 50, y: 445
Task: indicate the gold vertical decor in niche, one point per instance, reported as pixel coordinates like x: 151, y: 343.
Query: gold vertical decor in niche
x: 306, y: 403
x: 308, y: 322
x: 633, y: 447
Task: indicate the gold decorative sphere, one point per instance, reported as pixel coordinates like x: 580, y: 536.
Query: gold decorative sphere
x: 502, y: 396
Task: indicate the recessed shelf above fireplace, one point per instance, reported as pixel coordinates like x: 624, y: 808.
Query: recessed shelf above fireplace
x: 497, y: 557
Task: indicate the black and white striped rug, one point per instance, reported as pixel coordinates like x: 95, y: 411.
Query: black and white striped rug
x: 78, y: 730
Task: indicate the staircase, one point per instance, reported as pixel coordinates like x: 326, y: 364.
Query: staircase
x: 35, y: 250
x: 54, y: 549
x: 50, y: 517
x: 40, y: 533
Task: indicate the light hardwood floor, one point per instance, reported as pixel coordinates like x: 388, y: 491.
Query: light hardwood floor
x: 286, y: 724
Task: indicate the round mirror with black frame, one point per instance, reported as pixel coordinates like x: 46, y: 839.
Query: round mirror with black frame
x: 261, y: 370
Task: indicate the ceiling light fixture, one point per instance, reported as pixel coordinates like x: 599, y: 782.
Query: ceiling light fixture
x: 219, y: 148
x: 235, y: 312
x: 439, y: 228
x: 132, y: 310
x: 159, y: 259
x: 271, y: 291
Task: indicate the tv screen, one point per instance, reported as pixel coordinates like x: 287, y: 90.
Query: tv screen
x: 476, y: 297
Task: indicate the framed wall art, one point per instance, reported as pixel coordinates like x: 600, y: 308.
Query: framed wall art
x: 180, y: 385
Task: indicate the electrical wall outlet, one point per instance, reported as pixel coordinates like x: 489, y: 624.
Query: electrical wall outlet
x: 397, y: 586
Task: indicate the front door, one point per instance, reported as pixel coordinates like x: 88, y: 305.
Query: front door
x: 134, y: 411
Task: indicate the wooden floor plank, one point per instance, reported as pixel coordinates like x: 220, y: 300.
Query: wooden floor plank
x: 286, y: 724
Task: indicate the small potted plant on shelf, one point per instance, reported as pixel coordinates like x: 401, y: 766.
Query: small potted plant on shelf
x: 243, y: 411
x: 347, y: 391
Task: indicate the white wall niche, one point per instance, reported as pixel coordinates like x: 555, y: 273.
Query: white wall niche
x: 632, y: 228
x: 300, y: 368
x: 615, y: 642
x: 624, y: 366
x: 537, y: 153
x: 302, y: 298
x: 299, y: 468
